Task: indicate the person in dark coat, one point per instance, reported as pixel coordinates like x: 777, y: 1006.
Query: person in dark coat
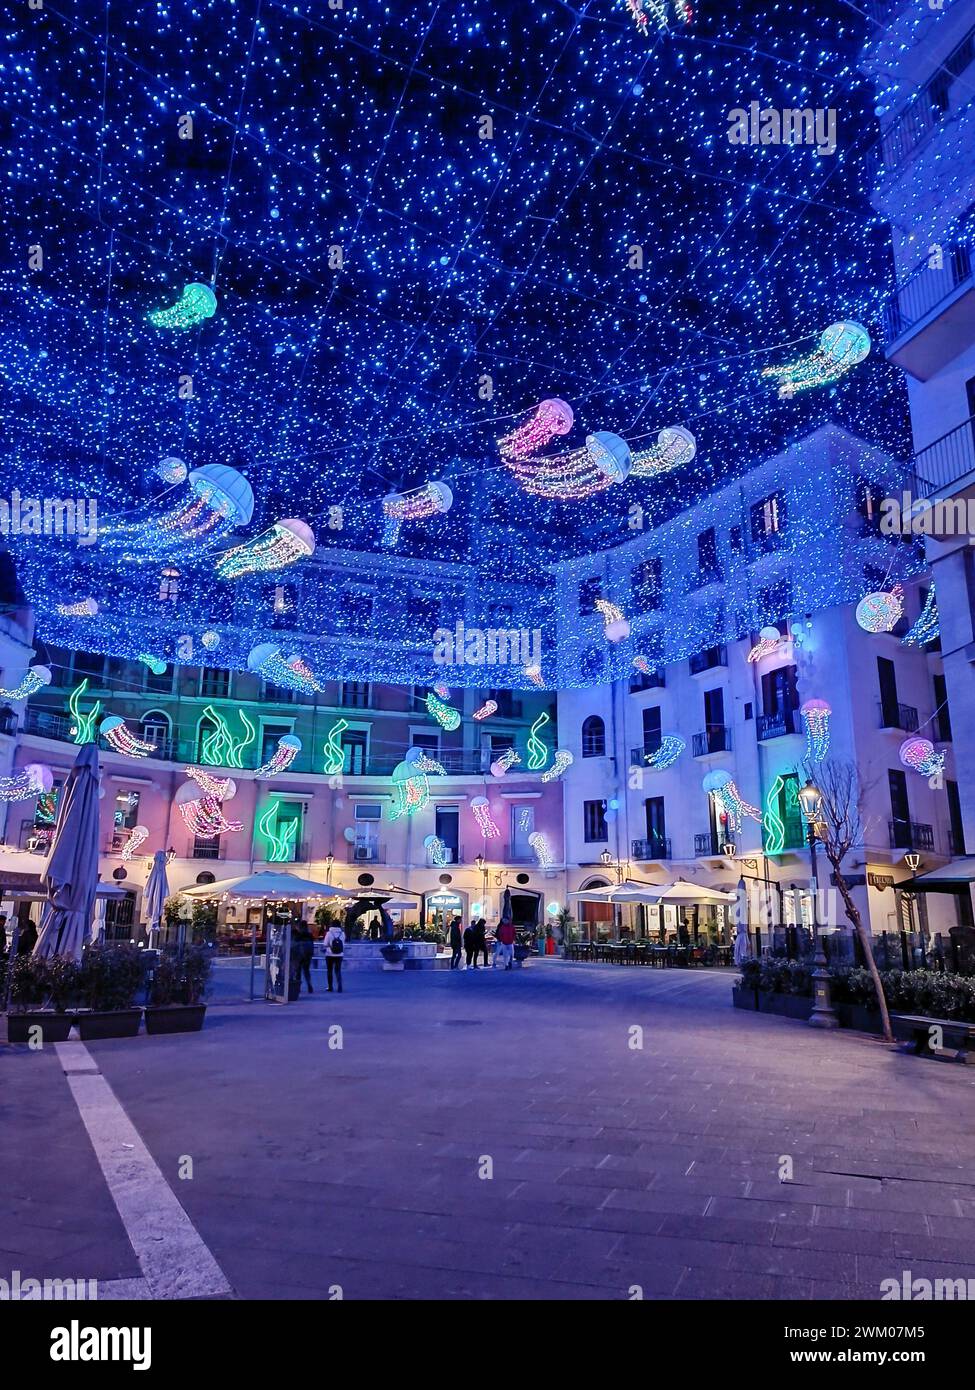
x: 304, y: 948
x: 28, y: 940
x: 456, y: 942
x: 482, y: 946
x: 3, y: 933
x: 470, y: 945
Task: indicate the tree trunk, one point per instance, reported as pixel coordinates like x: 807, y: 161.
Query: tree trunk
x: 853, y: 912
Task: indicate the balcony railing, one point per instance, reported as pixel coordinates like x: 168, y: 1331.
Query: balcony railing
x: 911, y: 127
x: 903, y: 717
x: 769, y: 726
x: 714, y: 740
x: 639, y: 755
x: 656, y: 848
x: 924, y: 289
x: 942, y: 463
x: 707, y: 843
x: 206, y: 849
x: 655, y: 680
x: 708, y: 660
x: 369, y: 852
x: 908, y: 834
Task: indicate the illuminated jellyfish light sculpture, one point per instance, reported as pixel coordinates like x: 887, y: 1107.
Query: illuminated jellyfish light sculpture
x: 35, y: 780
x: 411, y: 783
x: 291, y: 673
x: 283, y: 544
x: 615, y: 625
x: 289, y: 746
x: 540, y: 843
x: 196, y: 303
x: 117, y: 736
x: 671, y: 747
x: 35, y: 679
x: 881, y: 610
x: 481, y: 811
x: 486, y: 710
x: 728, y: 800
x: 201, y: 810
x: 920, y: 755
x: 841, y: 347
x: 82, y: 608
x: 675, y: 447
x: 214, y: 501
x: 534, y: 674
x: 604, y: 460
x: 769, y: 641
x: 928, y: 625
x: 437, y: 850
x: 507, y: 760
x: 815, y: 716
x: 563, y: 761
x: 172, y: 471
x: 137, y: 837
x: 446, y: 716
x: 552, y: 418
x: 157, y: 667
x: 416, y: 505
x: 642, y: 10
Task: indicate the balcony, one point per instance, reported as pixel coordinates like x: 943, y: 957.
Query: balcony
x: 932, y: 104
x: 656, y: 848
x: 794, y: 836
x: 367, y: 852
x: 714, y: 740
x: 928, y: 320
x: 644, y: 681
x: 907, y: 834
x: 206, y: 848
x: 638, y: 756
x: 939, y: 467
x: 901, y: 717
x: 708, y: 660
x: 778, y: 725
x: 36, y: 839
x: 707, y: 844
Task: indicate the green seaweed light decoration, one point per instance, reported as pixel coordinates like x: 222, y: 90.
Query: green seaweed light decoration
x: 220, y: 748
x: 84, y: 724
x: 537, y: 748
x: 334, y: 752
x: 279, y: 840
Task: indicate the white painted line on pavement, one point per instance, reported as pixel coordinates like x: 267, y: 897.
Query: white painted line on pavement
x: 171, y: 1253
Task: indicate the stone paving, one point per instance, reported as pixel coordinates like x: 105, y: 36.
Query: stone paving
x: 613, y: 1166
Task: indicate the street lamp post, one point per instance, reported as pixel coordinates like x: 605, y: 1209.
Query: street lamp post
x: 823, y: 1014
x: 913, y: 861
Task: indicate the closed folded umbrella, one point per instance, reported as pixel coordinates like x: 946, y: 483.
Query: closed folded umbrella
x: 70, y: 877
x: 156, y: 893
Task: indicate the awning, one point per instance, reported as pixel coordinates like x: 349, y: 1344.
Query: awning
x: 954, y: 877
x: 275, y: 887
x: 634, y: 891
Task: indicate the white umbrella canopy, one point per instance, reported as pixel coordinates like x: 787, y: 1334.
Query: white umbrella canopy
x: 684, y: 892
x: 268, y: 884
x: 631, y: 890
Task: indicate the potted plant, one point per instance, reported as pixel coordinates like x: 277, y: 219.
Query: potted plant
x: 393, y: 953
x: 42, y: 993
x: 110, y: 978
x: 177, y: 992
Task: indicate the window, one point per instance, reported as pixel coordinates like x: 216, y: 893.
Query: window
x: 271, y: 734
x: 282, y: 598
x: 214, y: 683
x: 355, y: 694
x: 500, y: 744
x: 955, y: 823
x: 646, y: 582
x: 427, y: 740
x: 591, y: 665
x: 775, y: 603
x: 889, y: 708
x: 168, y: 584
x: 355, y: 610
x: 942, y: 718
x: 594, y: 821
x: 155, y: 728
x: 594, y: 737
x: 158, y: 685
x: 707, y: 554
x: 779, y: 692
x: 522, y: 825
x: 355, y: 747
x: 589, y: 591
x: 368, y: 810
x: 651, y: 729
x: 736, y: 540
x: 90, y: 665
x: 656, y: 827
x: 447, y: 830
x: 900, y: 811
x: 768, y: 517
x: 424, y: 611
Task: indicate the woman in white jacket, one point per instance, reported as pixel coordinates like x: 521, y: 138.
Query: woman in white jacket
x: 334, y: 951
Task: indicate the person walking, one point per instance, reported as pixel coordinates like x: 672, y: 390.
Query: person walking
x: 456, y: 942
x: 482, y: 946
x: 334, y: 951
x: 470, y: 945
x: 3, y: 933
x: 304, y: 946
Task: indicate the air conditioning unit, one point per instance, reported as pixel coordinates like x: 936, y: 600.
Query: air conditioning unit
x: 364, y: 852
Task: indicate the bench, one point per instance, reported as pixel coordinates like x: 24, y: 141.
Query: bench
x: 915, y: 1030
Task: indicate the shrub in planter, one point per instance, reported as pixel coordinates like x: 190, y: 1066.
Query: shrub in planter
x: 43, y: 991
x: 392, y: 953
x: 110, y: 978
x: 178, y: 991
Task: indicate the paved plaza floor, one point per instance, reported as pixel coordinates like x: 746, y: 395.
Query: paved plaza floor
x: 489, y: 1135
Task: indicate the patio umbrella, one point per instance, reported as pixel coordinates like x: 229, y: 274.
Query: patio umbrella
x: 507, y: 914
x: 70, y: 876
x: 743, y: 945
x: 631, y: 890
x: 269, y: 885
x: 156, y: 893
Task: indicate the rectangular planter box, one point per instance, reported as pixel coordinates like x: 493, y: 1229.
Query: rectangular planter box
x: 176, y: 1018
x: 113, y: 1023
x: 54, y: 1027
x: 785, y: 1005
x: 744, y: 998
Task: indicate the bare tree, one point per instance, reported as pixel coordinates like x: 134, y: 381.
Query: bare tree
x: 839, y: 829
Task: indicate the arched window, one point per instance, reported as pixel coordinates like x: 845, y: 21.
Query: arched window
x: 156, y: 728
x: 594, y: 737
